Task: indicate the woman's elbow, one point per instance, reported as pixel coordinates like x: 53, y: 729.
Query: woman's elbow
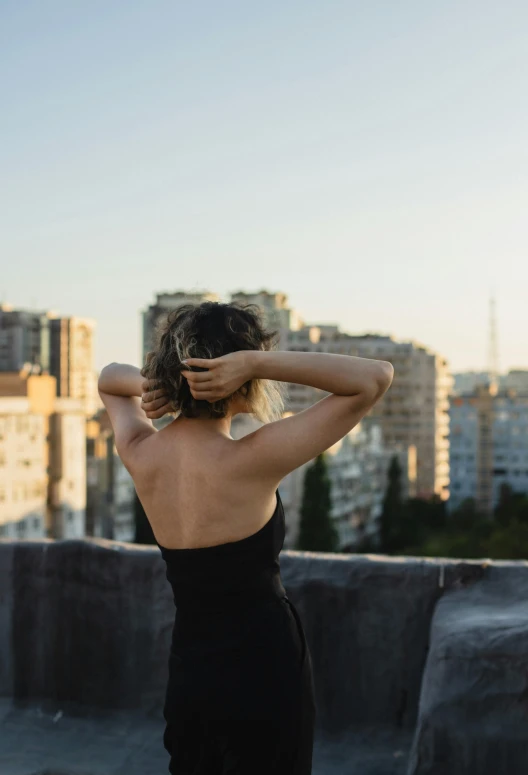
x: 380, y: 382
x: 386, y: 376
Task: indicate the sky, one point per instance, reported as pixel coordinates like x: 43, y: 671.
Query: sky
x: 368, y: 159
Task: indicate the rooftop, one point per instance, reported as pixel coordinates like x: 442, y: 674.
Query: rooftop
x: 420, y: 665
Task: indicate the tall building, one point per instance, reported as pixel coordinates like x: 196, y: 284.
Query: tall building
x: 489, y: 446
x: 517, y: 380
x: 466, y: 382
x: 51, y: 344
x: 165, y: 302
x: 72, y: 360
x: 110, y: 488
x: 24, y: 339
x: 42, y: 458
x: 274, y: 306
x: 413, y: 413
x: 99, y: 475
x: 23, y: 470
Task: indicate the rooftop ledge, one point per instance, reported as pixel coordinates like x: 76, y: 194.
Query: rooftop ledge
x: 420, y: 664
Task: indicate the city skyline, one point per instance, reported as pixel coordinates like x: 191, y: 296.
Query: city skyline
x: 102, y: 361
x: 369, y: 162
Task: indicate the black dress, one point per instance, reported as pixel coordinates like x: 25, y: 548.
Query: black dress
x: 240, y: 695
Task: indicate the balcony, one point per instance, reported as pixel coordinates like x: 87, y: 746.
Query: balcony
x: 420, y: 665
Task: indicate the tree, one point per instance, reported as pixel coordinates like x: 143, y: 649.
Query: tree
x: 504, y: 506
x: 317, y: 532
x: 392, y: 517
x: 143, y: 534
x: 512, y: 506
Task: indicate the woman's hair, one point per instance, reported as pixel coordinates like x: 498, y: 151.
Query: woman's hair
x: 209, y: 330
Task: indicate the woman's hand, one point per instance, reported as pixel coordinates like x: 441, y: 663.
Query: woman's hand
x: 223, y: 377
x: 154, y: 401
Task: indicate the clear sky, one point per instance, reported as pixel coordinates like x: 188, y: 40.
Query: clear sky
x: 369, y: 159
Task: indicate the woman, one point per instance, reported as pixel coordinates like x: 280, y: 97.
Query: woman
x: 240, y: 695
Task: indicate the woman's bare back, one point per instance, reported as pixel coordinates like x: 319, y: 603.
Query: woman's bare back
x: 197, y: 488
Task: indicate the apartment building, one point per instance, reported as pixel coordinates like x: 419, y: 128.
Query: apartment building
x: 24, y: 339
x: 51, y: 344
x: 276, y: 312
x: 42, y: 458
x: 72, y: 360
x: 413, y: 413
x: 153, y: 315
x: 23, y: 470
x: 489, y: 445
x: 110, y: 488
x: 466, y: 382
x: 517, y: 380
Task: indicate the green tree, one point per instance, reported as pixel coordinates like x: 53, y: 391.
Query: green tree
x: 503, y: 508
x: 143, y: 532
x: 509, y: 543
x: 392, y: 515
x: 512, y: 506
x: 317, y: 532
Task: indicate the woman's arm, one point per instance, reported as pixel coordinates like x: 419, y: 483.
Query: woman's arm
x: 343, y: 375
x: 121, y: 379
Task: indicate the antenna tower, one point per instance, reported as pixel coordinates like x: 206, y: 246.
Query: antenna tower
x: 493, y: 349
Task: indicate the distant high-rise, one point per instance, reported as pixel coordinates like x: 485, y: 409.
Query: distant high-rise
x: 72, y: 360
x: 413, y: 413
x: 489, y: 445
x: 24, y: 339
x: 517, y: 380
x: 42, y: 458
x: 165, y: 302
x: 466, y: 382
x: 48, y: 343
x: 274, y: 307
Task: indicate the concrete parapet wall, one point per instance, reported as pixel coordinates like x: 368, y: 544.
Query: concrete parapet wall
x: 87, y: 624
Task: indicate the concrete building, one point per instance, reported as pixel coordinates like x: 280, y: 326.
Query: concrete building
x: 273, y: 305
x: 23, y: 470
x: 99, y: 447
x: 72, y: 360
x: 466, y: 382
x: 517, y: 380
x: 42, y: 459
x: 51, y: 344
x: 24, y: 339
x: 489, y: 446
x: 110, y: 488
x: 277, y: 313
x: 153, y: 315
x: 413, y: 413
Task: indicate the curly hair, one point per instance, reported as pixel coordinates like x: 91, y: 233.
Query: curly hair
x: 209, y: 330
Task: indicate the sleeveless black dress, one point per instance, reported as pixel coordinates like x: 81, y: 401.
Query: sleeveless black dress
x: 240, y: 694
